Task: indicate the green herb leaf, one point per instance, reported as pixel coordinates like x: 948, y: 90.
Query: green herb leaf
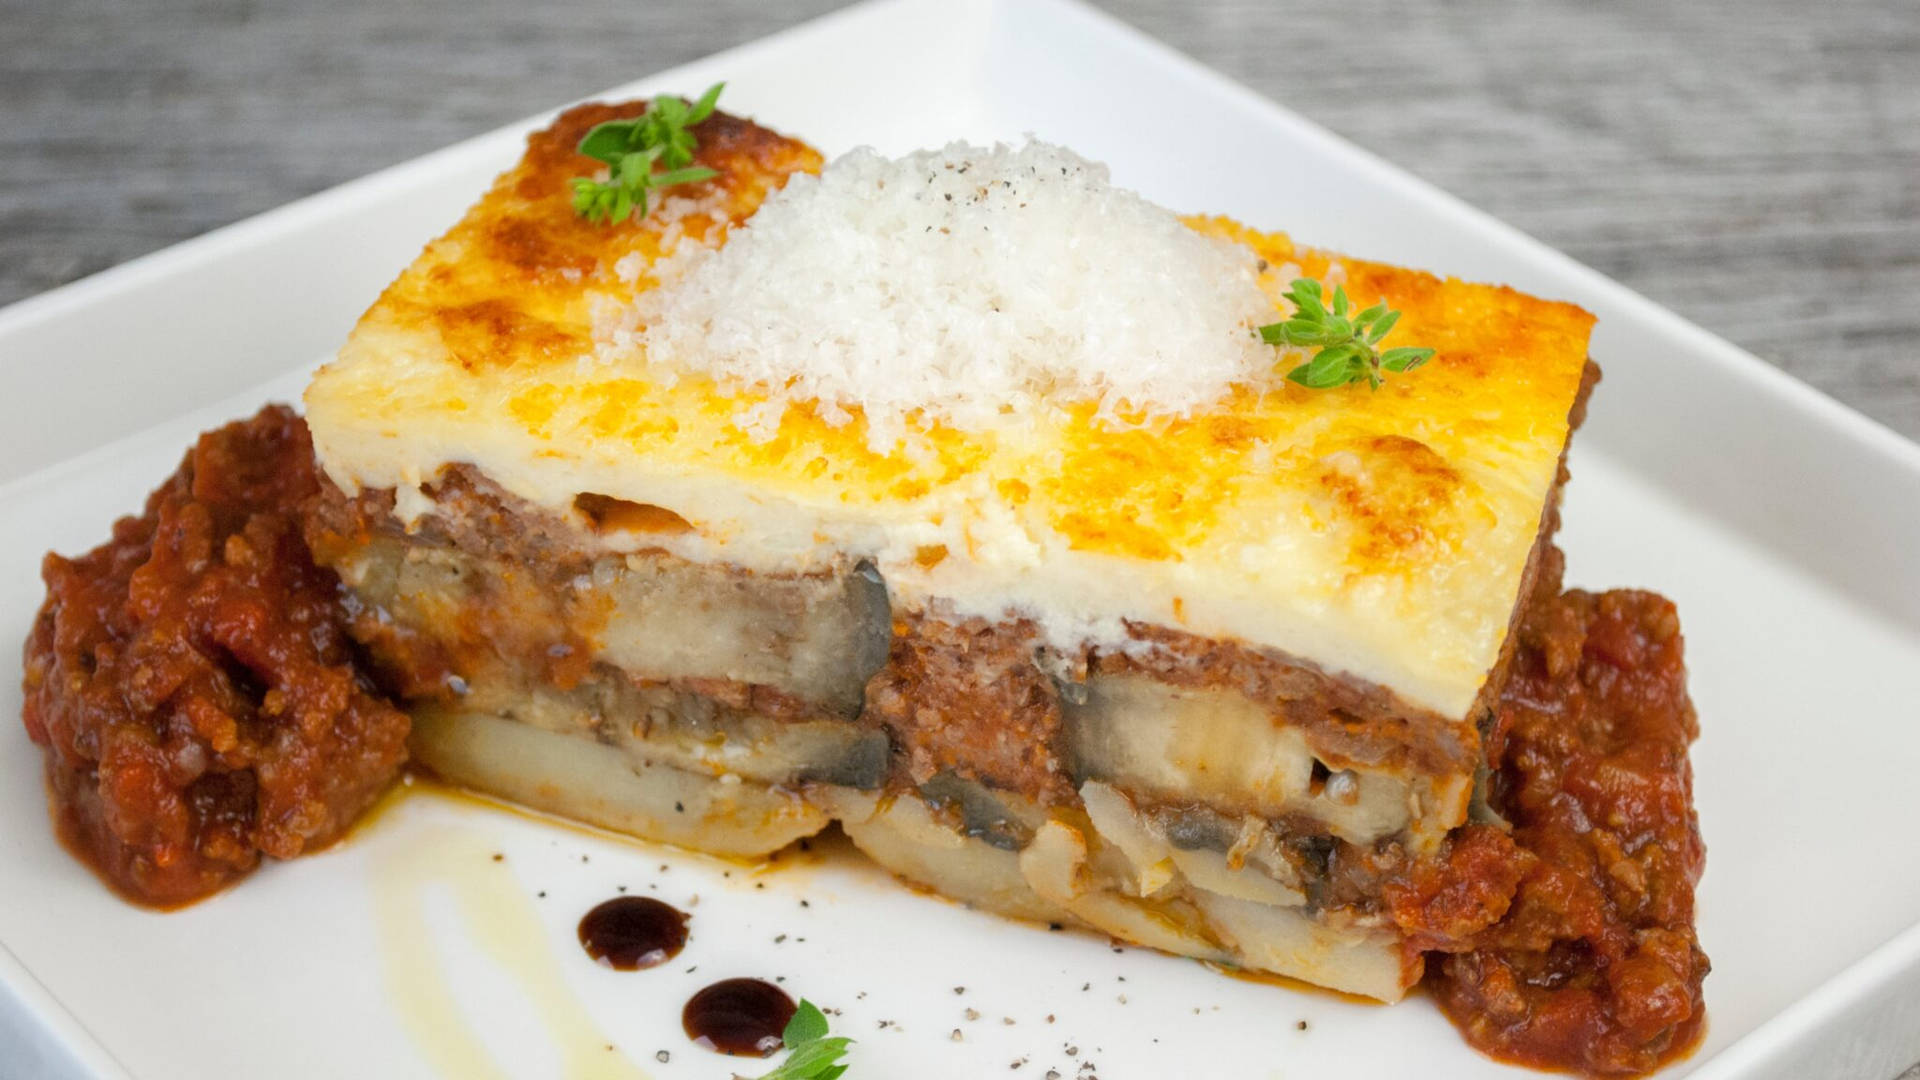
x: 1345, y: 341
x: 1382, y: 327
x: 673, y: 111
x: 808, y: 1024
x: 1404, y: 359
x: 690, y: 175
x: 704, y: 107
x: 1299, y: 331
x: 1336, y: 365
x: 1305, y: 296
x: 608, y: 142
x: 811, y: 1055
x: 633, y: 149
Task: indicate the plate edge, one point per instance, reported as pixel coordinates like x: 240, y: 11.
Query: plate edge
x: 1807, y: 1018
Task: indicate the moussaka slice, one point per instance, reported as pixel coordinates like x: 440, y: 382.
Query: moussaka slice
x: 959, y: 498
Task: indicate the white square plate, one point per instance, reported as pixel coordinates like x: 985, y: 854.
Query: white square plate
x: 1786, y: 527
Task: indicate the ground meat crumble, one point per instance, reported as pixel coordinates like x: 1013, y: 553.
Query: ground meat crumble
x: 1588, y: 958
x: 192, y: 682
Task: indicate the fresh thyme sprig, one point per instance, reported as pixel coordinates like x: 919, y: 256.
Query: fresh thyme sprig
x: 632, y: 149
x: 1346, y: 341
x: 811, y: 1055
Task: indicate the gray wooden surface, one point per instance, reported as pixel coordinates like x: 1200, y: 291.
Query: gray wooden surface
x: 1754, y: 165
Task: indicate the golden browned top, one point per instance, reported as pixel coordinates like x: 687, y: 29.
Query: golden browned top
x: 1383, y: 533
x: 505, y: 286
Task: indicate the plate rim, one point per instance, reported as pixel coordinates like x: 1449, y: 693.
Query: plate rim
x: 1809, y: 1023
x: 60, y: 1029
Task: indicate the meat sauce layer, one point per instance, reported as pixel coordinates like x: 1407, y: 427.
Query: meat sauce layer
x: 202, y: 705
x: 192, y: 682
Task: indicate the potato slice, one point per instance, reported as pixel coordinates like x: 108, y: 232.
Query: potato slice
x: 580, y: 778
x: 1289, y: 942
x: 903, y: 835
x: 1056, y: 865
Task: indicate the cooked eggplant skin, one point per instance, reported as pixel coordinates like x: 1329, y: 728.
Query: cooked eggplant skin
x: 1219, y: 749
x: 815, y: 638
x: 984, y: 813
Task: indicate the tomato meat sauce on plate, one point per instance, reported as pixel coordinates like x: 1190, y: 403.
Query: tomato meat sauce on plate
x: 192, y: 683
x: 1595, y: 965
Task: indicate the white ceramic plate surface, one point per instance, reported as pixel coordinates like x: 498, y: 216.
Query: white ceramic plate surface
x: 1785, y: 526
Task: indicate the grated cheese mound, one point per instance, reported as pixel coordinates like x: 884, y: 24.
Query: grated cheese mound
x: 965, y: 285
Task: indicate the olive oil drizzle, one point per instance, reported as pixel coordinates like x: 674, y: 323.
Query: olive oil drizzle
x: 500, y: 919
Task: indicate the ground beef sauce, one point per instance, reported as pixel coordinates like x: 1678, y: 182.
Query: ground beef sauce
x: 201, y: 704
x: 192, y: 683
x: 1569, y: 942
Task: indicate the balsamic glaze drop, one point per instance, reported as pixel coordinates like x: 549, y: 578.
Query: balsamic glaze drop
x: 742, y: 1017
x: 628, y: 933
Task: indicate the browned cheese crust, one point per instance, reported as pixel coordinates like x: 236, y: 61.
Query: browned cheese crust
x: 529, y: 231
